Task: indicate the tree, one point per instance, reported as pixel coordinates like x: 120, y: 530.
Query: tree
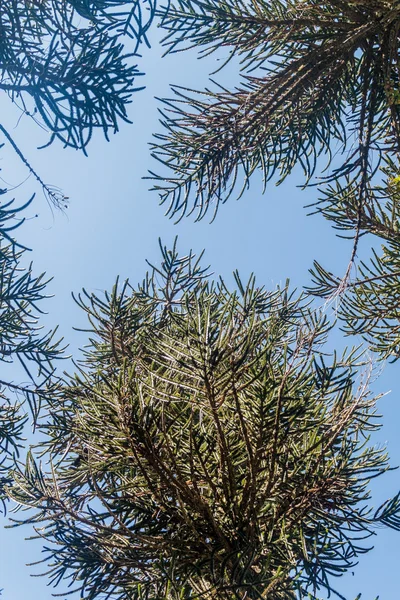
x: 369, y: 302
x: 318, y: 79
x: 334, y: 80
x: 65, y: 65
x: 22, y: 340
x: 235, y: 460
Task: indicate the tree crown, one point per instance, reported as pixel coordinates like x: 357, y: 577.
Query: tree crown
x: 206, y: 448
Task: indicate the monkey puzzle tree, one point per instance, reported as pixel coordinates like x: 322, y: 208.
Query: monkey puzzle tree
x: 65, y: 65
x: 329, y: 76
x: 319, y: 79
x: 205, y: 448
x: 369, y: 303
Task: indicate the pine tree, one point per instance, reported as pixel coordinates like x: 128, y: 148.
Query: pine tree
x: 206, y: 448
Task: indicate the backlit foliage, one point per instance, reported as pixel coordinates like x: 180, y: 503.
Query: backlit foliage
x: 65, y: 63
x: 205, y: 448
x: 316, y: 78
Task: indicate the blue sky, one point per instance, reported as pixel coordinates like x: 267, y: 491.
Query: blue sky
x: 112, y: 225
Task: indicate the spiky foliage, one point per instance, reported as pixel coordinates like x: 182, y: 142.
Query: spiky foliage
x: 22, y: 340
x: 370, y: 302
x: 316, y: 77
x: 330, y: 81
x: 69, y: 58
x: 369, y: 295
x: 206, y: 448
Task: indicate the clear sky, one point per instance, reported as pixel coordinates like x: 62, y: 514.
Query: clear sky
x: 112, y: 225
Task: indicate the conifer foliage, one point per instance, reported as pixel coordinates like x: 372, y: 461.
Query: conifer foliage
x: 316, y: 77
x: 22, y: 341
x: 319, y: 87
x: 205, y: 448
x: 370, y: 300
x: 65, y: 64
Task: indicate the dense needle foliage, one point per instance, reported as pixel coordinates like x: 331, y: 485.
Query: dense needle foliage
x: 23, y: 342
x: 318, y: 80
x: 205, y: 448
x: 314, y: 75
x: 64, y: 63
x: 369, y: 303
x: 69, y: 57
x: 70, y: 66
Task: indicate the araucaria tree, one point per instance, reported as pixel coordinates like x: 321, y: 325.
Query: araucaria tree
x: 65, y: 64
x: 334, y: 79
x: 69, y: 65
x: 205, y: 448
x: 320, y: 82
